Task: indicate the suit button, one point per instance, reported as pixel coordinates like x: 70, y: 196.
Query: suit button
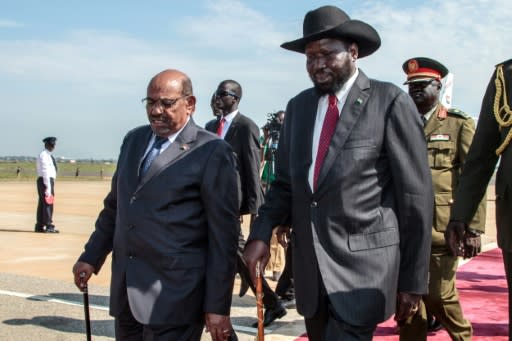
x: 132, y: 199
x: 131, y: 257
x: 131, y: 226
x: 314, y: 204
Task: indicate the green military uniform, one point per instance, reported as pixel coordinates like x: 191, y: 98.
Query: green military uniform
x: 491, y: 142
x: 448, y: 134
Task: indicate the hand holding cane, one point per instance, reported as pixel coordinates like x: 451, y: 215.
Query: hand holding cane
x: 86, y: 308
x: 259, y: 304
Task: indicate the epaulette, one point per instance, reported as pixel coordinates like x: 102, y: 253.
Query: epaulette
x: 459, y: 113
x: 506, y: 62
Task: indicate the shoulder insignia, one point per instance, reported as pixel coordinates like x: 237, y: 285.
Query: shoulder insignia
x: 441, y: 113
x: 459, y: 113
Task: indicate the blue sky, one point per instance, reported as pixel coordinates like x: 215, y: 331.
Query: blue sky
x: 78, y: 69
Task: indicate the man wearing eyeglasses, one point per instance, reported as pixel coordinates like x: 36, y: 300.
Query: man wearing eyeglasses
x: 171, y: 221
x: 448, y: 133
x: 243, y: 136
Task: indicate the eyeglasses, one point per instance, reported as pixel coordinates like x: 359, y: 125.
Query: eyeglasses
x: 166, y: 103
x: 224, y: 93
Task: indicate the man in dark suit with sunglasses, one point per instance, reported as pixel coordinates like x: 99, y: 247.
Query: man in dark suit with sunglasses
x: 243, y: 136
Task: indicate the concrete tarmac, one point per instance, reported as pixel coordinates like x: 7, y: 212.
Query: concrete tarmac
x: 38, y: 300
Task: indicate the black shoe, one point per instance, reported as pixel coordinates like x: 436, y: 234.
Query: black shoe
x: 51, y: 229
x: 434, y: 325
x: 39, y: 229
x: 244, y: 286
x: 271, y: 315
x: 289, y: 304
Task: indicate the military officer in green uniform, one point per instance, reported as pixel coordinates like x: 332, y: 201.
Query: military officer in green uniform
x: 448, y: 133
x: 491, y: 143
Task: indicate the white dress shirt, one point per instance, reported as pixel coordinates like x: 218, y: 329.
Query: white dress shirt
x: 229, y: 118
x: 323, y: 104
x: 46, y: 169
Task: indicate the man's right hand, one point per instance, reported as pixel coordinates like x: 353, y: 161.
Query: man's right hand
x: 283, y: 235
x: 87, y: 270
x: 256, y: 250
x: 454, y: 236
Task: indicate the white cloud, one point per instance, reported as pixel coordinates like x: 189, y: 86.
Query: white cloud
x: 5, y: 23
x: 234, y: 26
x: 468, y: 36
x: 89, y: 81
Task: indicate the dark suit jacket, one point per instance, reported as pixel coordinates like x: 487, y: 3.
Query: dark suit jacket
x: 212, y: 125
x: 243, y: 136
x: 174, y: 233
x: 366, y: 230
x: 481, y: 163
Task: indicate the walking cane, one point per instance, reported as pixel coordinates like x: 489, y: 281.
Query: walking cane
x: 86, y: 309
x: 259, y: 304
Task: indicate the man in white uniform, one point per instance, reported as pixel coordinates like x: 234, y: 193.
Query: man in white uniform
x: 46, y: 174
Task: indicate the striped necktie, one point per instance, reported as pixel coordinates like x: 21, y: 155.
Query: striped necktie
x: 328, y: 128
x: 152, y: 154
x: 220, y: 128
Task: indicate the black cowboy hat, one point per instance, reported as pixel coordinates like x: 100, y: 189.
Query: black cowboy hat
x: 332, y: 22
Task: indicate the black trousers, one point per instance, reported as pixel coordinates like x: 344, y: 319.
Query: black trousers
x: 127, y: 328
x: 285, y: 282
x: 44, y: 211
x: 270, y: 299
x: 325, y: 325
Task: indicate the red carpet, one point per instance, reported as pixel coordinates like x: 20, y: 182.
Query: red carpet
x: 483, y: 293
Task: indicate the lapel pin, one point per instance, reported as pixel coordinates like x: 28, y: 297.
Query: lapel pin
x: 184, y: 147
x: 359, y: 101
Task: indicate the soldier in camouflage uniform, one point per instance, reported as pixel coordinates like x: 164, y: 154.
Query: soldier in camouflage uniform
x: 448, y: 133
x: 491, y: 143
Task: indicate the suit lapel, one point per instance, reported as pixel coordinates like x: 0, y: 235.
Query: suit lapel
x: 232, y: 128
x: 139, y: 155
x: 305, y: 134
x: 352, y: 108
x: 174, y: 152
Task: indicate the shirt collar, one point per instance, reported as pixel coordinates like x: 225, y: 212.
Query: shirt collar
x: 342, y: 94
x: 430, y: 112
x: 171, y: 138
x: 229, y: 117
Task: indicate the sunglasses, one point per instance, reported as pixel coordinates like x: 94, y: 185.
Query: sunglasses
x: 166, y: 103
x: 224, y: 93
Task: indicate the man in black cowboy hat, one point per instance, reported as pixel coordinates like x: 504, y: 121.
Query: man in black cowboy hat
x: 350, y: 181
x: 46, y: 168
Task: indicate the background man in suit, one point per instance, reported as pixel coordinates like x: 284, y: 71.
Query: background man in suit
x: 171, y: 224
x: 46, y: 168
x: 448, y: 133
x: 269, y: 144
x: 243, y: 136
x: 358, y: 193
x: 490, y: 144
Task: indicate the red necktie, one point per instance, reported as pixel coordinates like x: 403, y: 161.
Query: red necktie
x: 328, y: 128
x: 221, y: 126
